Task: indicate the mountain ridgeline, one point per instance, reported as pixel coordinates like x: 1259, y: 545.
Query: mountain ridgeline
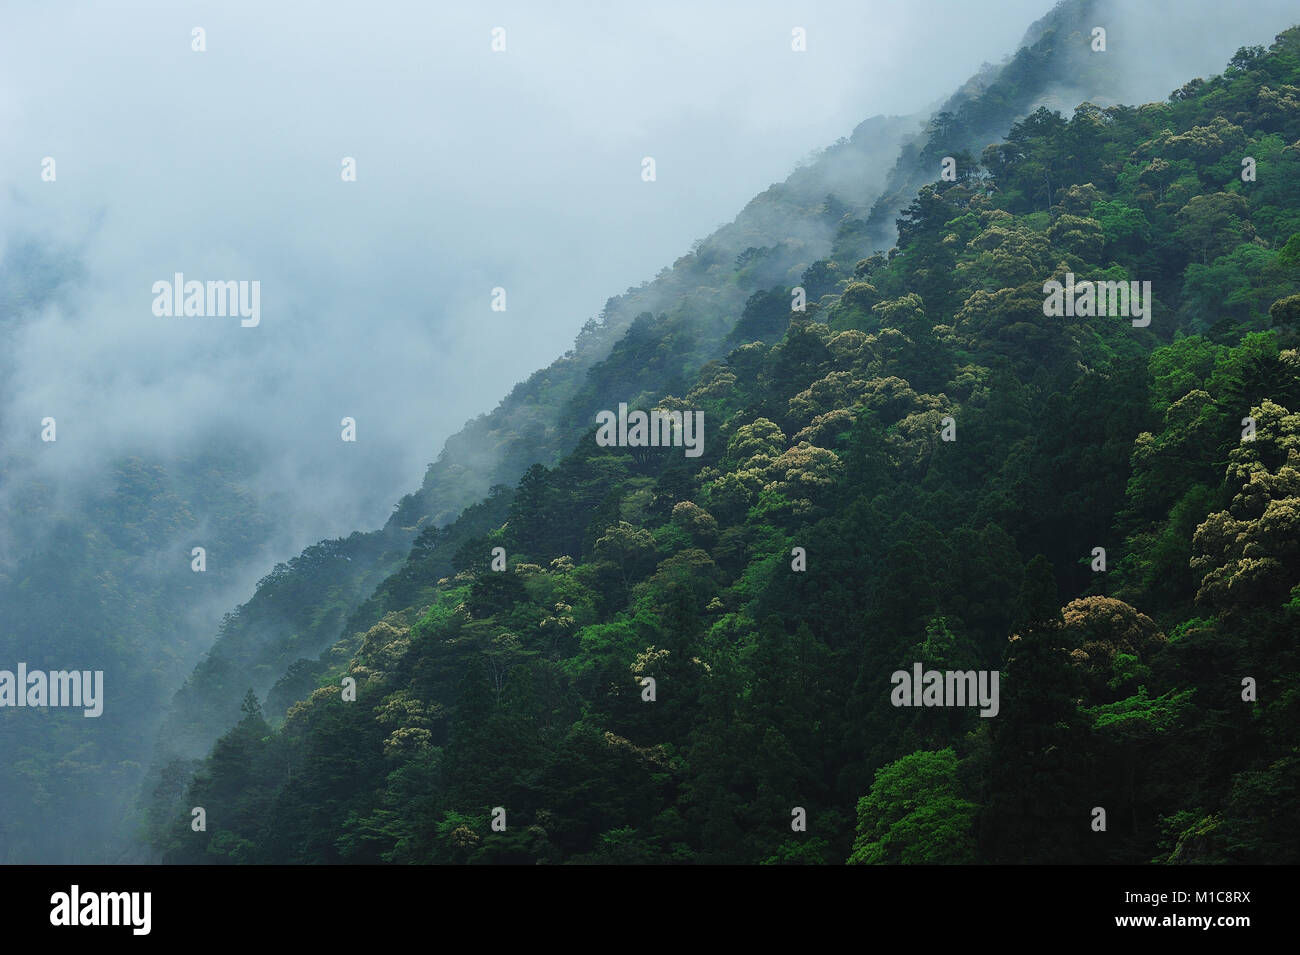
x: 632, y: 655
x: 650, y: 341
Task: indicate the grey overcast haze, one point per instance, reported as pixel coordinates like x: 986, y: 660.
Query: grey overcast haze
x: 475, y: 170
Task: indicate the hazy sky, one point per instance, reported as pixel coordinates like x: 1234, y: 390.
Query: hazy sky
x: 476, y: 169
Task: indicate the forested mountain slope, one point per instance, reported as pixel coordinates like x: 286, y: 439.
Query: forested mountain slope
x: 655, y: 338
x: 304, y: 605
x: 920, y: 467
x: 95, y: 569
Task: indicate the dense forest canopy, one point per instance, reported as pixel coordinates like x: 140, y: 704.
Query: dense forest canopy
x: 670, y: 658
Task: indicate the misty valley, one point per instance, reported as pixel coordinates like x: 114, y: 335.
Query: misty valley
x: 941, y: 507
